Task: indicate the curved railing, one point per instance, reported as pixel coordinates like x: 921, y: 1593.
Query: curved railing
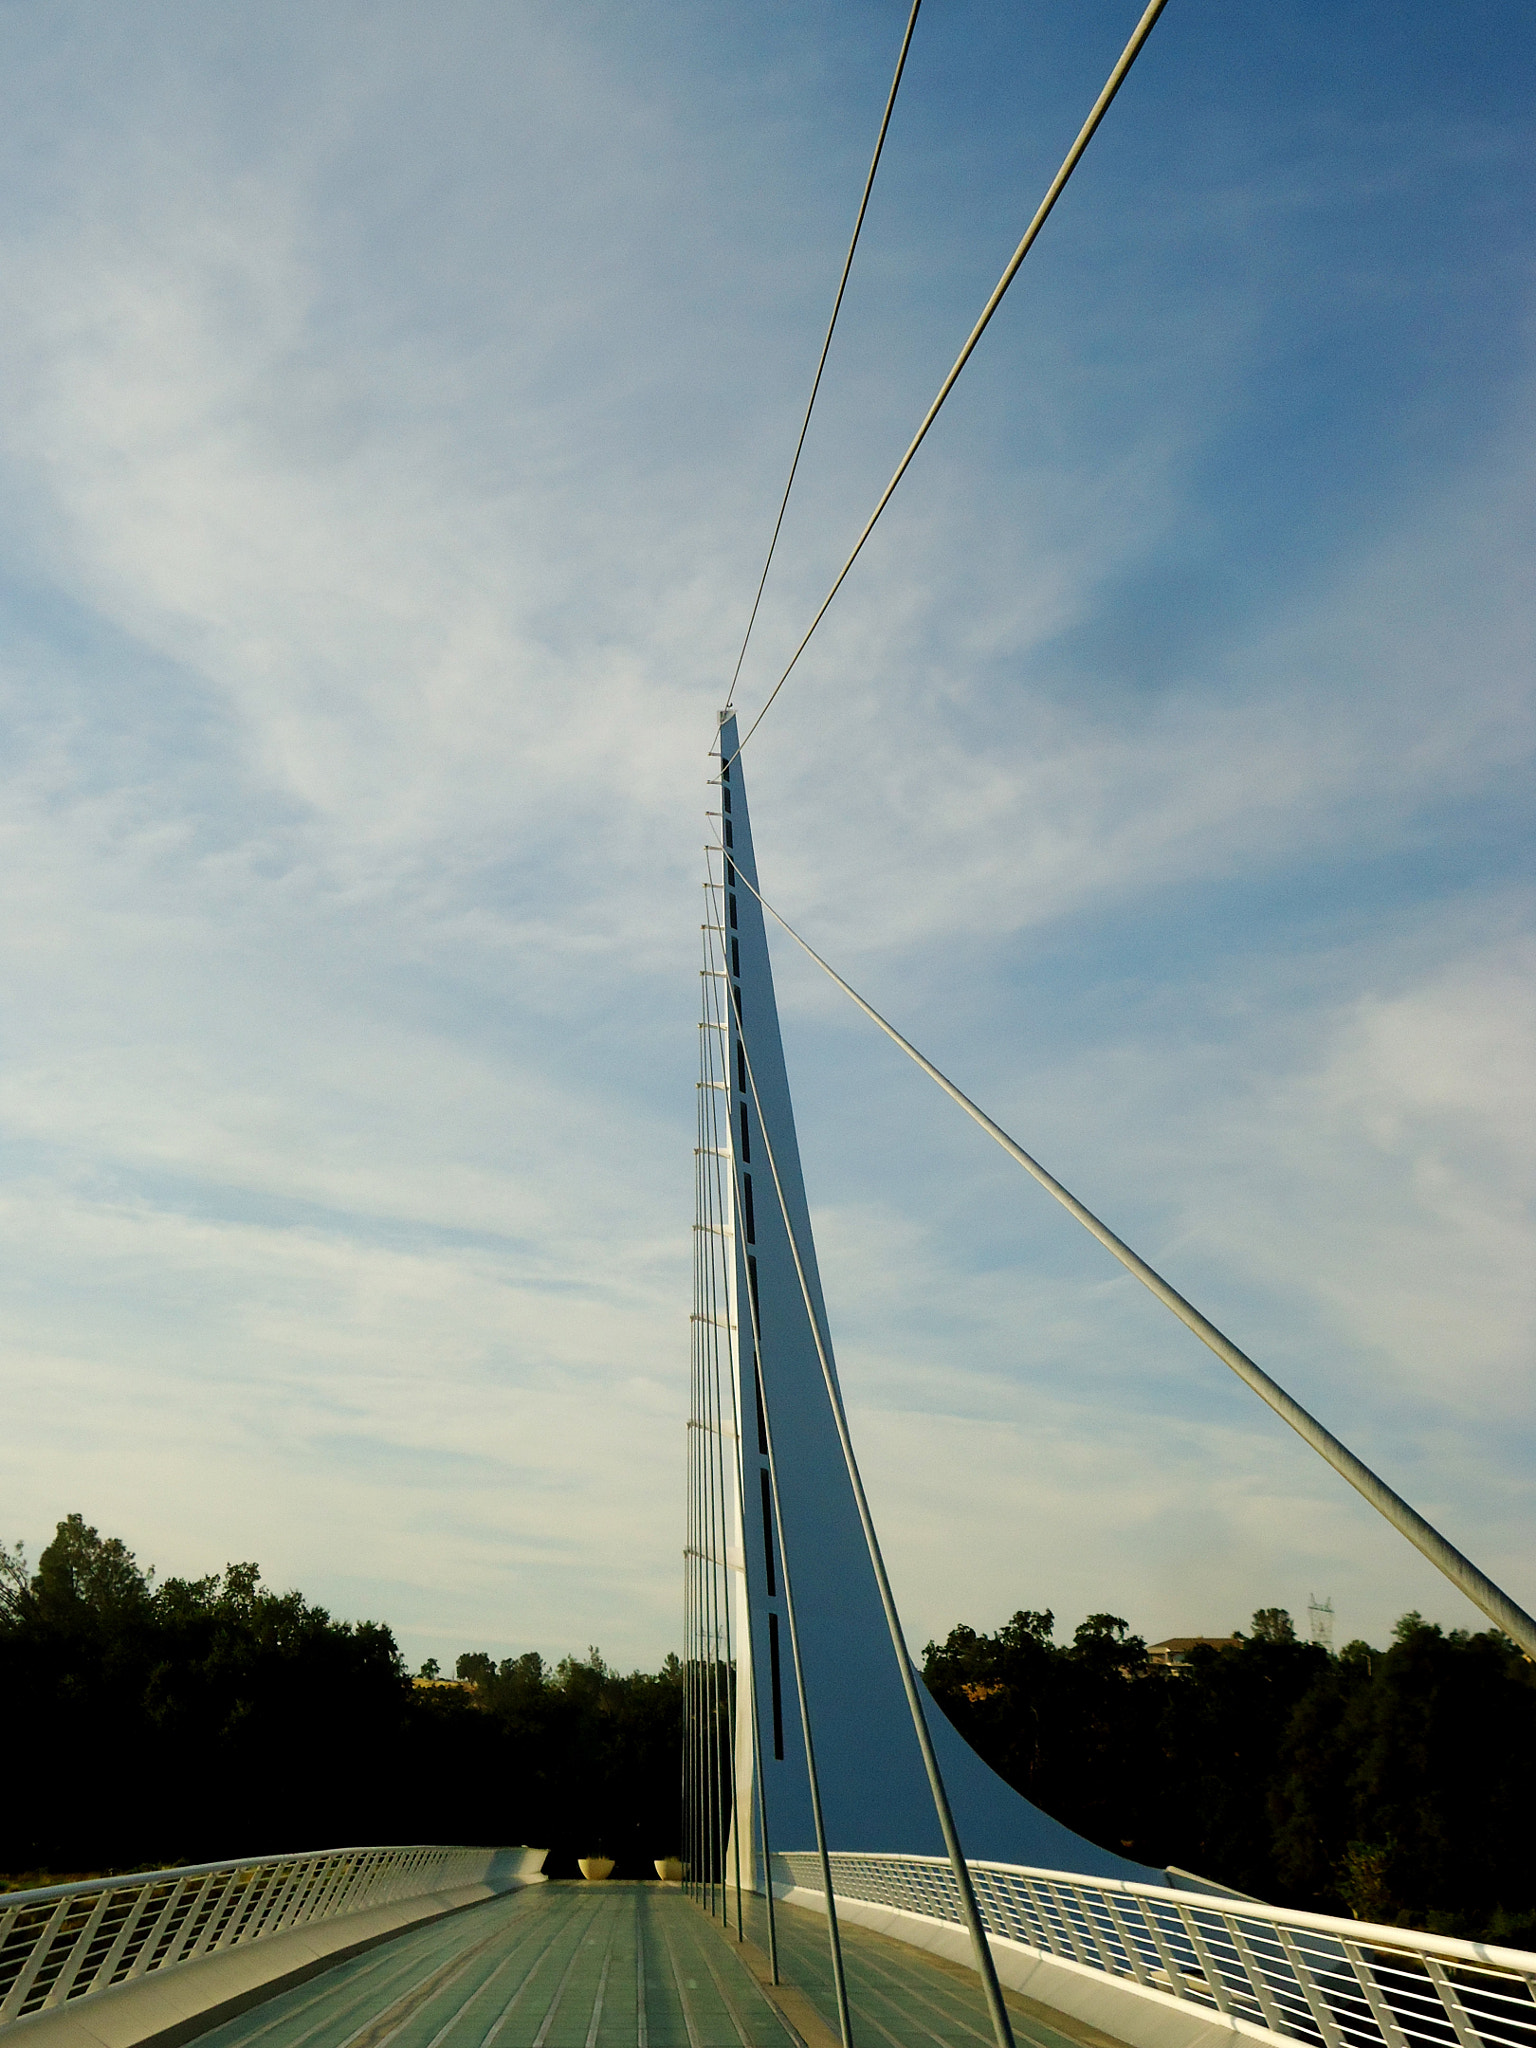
x: 1332, y: 1983
x: 70, y: 1940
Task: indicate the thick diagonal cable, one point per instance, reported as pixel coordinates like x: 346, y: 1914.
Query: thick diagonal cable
x: 837, y: 307
x: 1460, y: 1570
x: 970, y: 1911
x: 1058, y: 184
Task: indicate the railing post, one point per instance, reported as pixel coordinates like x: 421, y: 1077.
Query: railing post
x: 341, y: 1881
x: 306, y: 1874
x: 1085, y: 1903
x: 34, y: 1963
x: 1455, y: 2011
x: 1253, y: 1969
x: 189, y: 1923
x: 349, y: 1881
x: 1128, y: 1941
x: 1321, y: 2011
x: 1030, y: 1914
x: 1069, y: 1926
x: 1381, y: 2012
x: 1215, y: 1982
x: 1048, y: 1917
x: 158, y: 1926
x: 218, y: 1902
x: 58, y: 1990
x: 263, y: 1883
x: 1165, y: 1954
x: 108, y: 1970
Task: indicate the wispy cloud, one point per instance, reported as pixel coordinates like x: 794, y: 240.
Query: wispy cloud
x: 389, y: 421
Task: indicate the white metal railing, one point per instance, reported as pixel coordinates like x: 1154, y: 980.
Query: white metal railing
x: 1332, y: 1983
x: 69, y: 1940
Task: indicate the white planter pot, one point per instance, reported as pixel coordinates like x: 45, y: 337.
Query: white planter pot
x: 595, y: 1867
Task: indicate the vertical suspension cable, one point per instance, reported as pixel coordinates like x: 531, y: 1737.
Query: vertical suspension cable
x: 736, y: 1517
x: 712, y: 1584
x: 720, y: 1319
x: 697, y: 1614
x: 727, y: 1730
x: 687, y: 1803
x: 985, y: 1967
x: 718, y: 1153
x: 719, y: 1749
x: 690, y: 1647
x: 834, y: 1937
x: 687, y: 1841
x: 707, y: 1570
x: 701, y: 1452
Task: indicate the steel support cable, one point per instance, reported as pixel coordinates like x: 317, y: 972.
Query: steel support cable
x: 707, y: 1567
x: 1460, y: 1570
x: 705, y: 1823
x: 720, y: 1579
x: 837, y: 307
x: 695, y: 1533
x: 834, y: 1938
x: 691, y: 1571
x: 713, y: 1508
x: 721, y: 1301
x: 718, y: 1299
x: 718, y: 913
x: 1058, y: 184
x: 738, y: 1473
x: 704, y: 1629
x: 725, y: 1733
x: 721, y: 1037
x: 692, y: 1775
x: 719, y: 1608
x: 986, y: 1969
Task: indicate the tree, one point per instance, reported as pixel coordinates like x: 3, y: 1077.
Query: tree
x: 1406, y: 1789
x: 252, y: 1719
x: 194, y: 1719
x: 1273, y: 1625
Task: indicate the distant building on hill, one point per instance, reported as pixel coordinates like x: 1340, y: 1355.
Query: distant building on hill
x: 1173, y: 1653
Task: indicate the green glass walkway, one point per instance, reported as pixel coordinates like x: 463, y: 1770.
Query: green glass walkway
x: 627, y: 1966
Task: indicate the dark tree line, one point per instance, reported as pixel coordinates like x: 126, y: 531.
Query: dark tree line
x: 1398, y: 1785
x: 145, y: 1724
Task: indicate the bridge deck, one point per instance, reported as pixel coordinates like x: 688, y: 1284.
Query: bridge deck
x: 625, y: 1966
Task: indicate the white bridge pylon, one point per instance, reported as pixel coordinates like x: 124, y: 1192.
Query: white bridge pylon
x: 789, y: 1527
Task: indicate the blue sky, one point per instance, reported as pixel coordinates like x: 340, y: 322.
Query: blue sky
x: 393, y: 405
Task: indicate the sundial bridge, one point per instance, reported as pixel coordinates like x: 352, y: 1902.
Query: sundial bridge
x: 854, y: 1872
